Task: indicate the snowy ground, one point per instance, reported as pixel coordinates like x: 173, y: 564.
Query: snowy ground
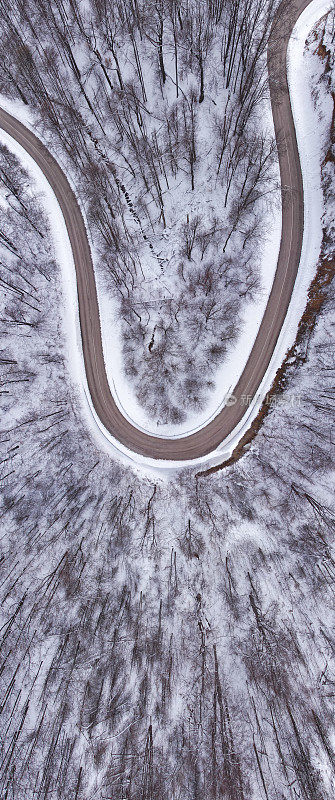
x: 196, y: 616
x: 226, y: 376
x: 311, y: 141
x: 311, y: 147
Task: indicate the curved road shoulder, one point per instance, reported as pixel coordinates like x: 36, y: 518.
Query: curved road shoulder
x: 207, y: 439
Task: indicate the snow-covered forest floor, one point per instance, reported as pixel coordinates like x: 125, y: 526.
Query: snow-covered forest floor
x: 160, y: 640
x: 175, y: 166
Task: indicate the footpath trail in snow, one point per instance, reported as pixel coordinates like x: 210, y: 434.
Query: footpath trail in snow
x: 224, y: 430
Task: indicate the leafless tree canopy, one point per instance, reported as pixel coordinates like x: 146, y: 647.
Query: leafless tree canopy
x: 156, y: 108
x: 159, y: 640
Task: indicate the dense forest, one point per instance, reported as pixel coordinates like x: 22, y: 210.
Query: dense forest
x: 159, y: 639
x: 160, y: 113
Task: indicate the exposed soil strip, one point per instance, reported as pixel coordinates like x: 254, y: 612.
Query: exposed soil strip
x: 316, y: 296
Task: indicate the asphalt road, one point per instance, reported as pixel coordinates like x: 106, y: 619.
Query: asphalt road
x: 211, y: 435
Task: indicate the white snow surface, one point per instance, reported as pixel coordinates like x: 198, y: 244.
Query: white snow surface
x: 312, y: 141
x: 227, y: 375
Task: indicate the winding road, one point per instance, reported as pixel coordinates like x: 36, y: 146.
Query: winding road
x: 206, y: 440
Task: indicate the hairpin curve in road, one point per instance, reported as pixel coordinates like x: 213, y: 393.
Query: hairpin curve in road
x: 211, y: 435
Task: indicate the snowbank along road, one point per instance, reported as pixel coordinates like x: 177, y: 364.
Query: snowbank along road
x: 206, y: 440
